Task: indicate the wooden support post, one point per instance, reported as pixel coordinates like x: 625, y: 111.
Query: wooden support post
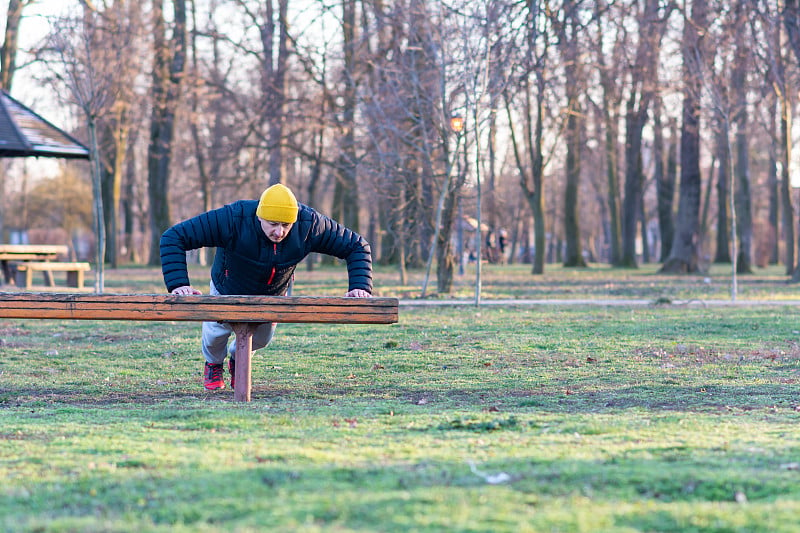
x: 244, y: 352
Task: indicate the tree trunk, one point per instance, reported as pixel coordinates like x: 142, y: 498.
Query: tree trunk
x: 744, y: 210
x: 115, y: 134
x: 683, y: 256
x: 645, y: 235
x: 273, y: 83
x: 8, y: 52
x: 631, y: 205
x: 723, y: 252
x: 668, y: 192
x: 168, y: 68
x: 609, y: 81
x: 573, y: 256
x: 97, y: 209
x: 129, y: 214
x: 8, y: 62
x: 791, y: 21
x: 643, y: 87
x: 787, y: 111
x: 572, y: 230
x: 531, y: 181
x: 346, y: 207
x: 445, y: 258
x: 534, y: 133
x: 774, y: 210
x: 665, y: 181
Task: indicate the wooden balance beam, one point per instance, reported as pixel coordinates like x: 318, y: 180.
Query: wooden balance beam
x: 244, y: 313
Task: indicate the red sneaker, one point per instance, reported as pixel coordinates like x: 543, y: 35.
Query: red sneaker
x: 213, y: 377
x: 232, y: 370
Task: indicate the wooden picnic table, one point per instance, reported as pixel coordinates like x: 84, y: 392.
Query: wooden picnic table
x: 10, y: 253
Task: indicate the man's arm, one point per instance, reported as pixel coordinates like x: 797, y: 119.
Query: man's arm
x: 204, y: 230
x: 330, y: 237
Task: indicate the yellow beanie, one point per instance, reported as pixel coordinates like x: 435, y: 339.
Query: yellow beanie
x: 278, y: 204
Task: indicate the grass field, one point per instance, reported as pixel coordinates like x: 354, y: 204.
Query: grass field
x: 573, y: 418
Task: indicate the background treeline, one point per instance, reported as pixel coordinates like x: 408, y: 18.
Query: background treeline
x: 610, y: 131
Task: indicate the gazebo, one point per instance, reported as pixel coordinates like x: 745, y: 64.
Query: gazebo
x: 23, y: 133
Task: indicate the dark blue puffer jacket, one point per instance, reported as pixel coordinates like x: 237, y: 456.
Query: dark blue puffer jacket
x: 247, y: 262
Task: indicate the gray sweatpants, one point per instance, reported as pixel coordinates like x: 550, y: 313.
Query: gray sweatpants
x: 217, y: 334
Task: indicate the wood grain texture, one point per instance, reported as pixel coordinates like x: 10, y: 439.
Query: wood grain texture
x: 299, y: 309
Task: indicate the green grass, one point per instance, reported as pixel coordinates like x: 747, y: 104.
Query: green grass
x: 517, y: 418
x: 513, y: 281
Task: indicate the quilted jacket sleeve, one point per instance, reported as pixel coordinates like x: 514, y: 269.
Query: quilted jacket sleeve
x: 209, y: 229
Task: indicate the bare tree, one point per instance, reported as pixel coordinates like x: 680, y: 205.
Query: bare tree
x: 739, y: 89
x: 529, y: 150
x: 611, y: 84
x: 168, y: 73
x: 8, y: 51
x: 407, y: 129
x: 345, y: 198
x: 8, y: 66
x: 684, y: 254
x: 791, y: 20
x: 643, y: 87
x: 722, y: 147
x: 90, y: 56
x: 569, y: 27
x: 665, y: 171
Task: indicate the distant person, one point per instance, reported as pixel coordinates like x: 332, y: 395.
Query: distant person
x: 502, y: 243
x: 259, y: 244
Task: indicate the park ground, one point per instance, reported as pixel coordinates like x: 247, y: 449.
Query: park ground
x: 663, y: 412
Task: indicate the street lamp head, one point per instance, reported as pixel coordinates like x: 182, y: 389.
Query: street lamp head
x: 457, y: 123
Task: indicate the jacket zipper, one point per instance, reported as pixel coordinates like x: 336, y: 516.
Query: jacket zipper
x: 272, y: 274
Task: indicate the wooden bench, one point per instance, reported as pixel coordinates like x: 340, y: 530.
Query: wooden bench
x: 75, y: 273
x: 244, y: 313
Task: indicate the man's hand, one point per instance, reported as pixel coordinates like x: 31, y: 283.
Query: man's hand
x: 186, y: 289
x: 358, y: 293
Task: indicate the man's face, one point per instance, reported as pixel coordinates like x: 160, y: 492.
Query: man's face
x: 275, y: 231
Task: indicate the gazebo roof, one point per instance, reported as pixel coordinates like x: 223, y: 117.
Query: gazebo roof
x: 23, y: 133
